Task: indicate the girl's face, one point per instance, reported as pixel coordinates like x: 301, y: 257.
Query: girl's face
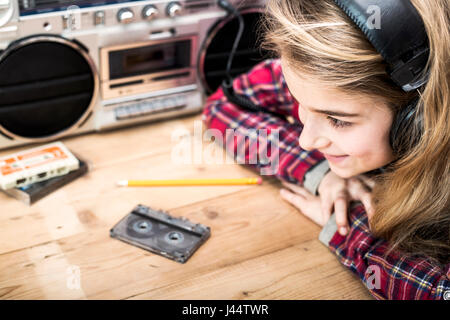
x: 351, y: 131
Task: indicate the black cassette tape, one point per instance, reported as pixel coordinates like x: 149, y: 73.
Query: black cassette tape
x: 158, y: 232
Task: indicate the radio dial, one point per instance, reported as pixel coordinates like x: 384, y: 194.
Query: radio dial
x: 174, y: 9
x: 125, y: 15
x: 149, y: 12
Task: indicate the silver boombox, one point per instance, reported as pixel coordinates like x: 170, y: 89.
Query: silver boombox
x: 71, y: 67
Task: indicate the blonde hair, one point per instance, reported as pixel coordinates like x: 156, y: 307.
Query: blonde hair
x: 412, y: 199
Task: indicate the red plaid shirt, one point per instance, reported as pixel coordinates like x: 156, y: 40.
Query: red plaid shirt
x: 398, y: 276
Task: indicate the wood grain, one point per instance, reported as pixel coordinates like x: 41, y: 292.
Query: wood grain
x: 260, y: 246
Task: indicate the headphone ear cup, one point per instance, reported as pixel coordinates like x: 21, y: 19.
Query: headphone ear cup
x: 407, y: 128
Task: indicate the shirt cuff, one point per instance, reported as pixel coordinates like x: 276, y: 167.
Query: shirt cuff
x: 314, y: 176
x: 328, y: 230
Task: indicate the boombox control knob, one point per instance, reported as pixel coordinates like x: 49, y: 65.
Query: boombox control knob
x: 149, y: 12
x: 125, y: 15
x: 174, y: 9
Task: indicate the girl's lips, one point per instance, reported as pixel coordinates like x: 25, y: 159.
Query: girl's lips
x: 335, y: 159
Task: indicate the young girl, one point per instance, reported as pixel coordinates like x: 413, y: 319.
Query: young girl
x: 333, y: 83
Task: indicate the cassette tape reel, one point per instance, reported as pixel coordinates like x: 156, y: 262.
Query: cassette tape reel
x: 158, y: 232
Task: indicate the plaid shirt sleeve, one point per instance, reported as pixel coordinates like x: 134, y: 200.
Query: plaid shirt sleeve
x: 262, y: 133
x: 387, y: 276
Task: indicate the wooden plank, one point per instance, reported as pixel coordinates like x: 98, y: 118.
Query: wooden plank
x: 61, y: 214
x: 260, y: 248
x: 249, y: 224
x: 305, y: 271
x: 128, y: 144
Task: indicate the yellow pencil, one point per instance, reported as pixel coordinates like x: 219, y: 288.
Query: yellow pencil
x: 188, y: 182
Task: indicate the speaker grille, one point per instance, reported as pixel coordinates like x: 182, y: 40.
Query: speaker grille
x: 218, y: 44
x: 45, y: 88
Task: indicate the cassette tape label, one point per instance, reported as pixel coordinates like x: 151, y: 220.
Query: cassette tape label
x: 29, y: 166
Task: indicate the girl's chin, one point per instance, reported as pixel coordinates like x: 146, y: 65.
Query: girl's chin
x: 344, y: 173
x: 349, y: 172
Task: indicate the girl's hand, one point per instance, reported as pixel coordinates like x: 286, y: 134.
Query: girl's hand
x: 307, y: 203
x: 335, y: 192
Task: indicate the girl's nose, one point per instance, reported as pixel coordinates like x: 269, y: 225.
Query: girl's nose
x: 312, y: 138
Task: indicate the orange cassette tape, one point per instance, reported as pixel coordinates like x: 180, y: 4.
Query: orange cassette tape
x: 37, y: 164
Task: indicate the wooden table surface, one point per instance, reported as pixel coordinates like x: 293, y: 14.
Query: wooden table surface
x: 260, y: 246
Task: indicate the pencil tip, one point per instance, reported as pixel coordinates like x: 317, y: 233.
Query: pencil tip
x: 122, y: 183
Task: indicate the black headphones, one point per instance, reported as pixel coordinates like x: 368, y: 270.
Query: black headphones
x: 402, y: 41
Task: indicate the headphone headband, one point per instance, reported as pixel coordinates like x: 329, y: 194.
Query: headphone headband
x: 401, y: 38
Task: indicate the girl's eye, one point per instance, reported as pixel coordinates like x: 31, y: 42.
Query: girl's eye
x: 338, y: 123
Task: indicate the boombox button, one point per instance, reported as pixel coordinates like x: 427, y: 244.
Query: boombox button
x: 149, y: 12
x: 169, y: 102
x: 146, y: 107
x: 121, y: 113
x: 181, y: 100
x: 125, y: 15
x: 174, y: 9
x: 158, y: 104
x: 134, y: 110
x: 99, y: 18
